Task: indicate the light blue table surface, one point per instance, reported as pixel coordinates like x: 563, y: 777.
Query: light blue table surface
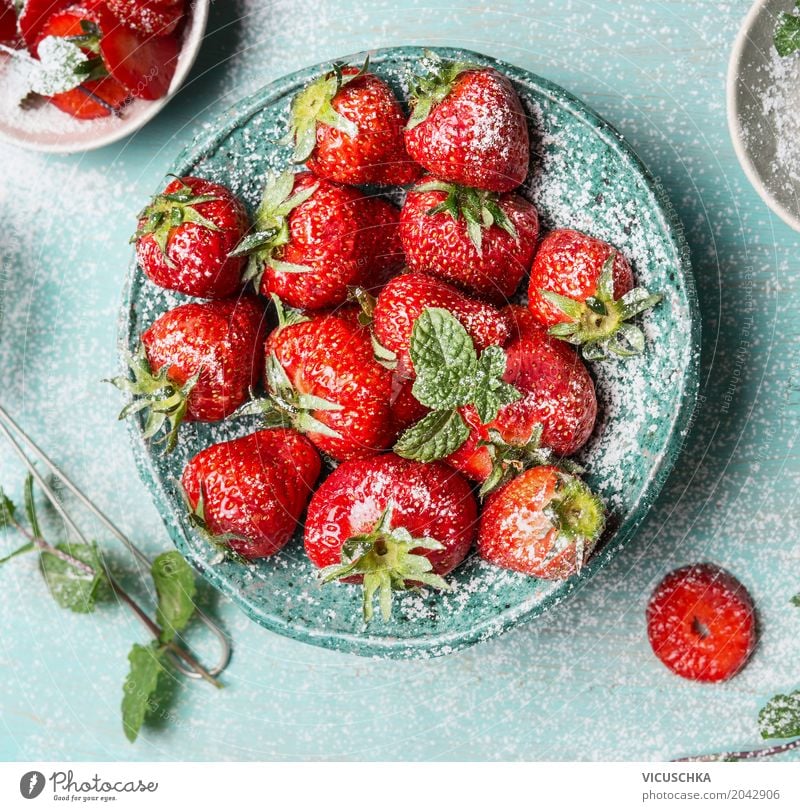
x: 580, y: 682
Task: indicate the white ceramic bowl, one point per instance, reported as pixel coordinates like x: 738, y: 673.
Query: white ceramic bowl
x: 47, y: 129
x: 754, y: 127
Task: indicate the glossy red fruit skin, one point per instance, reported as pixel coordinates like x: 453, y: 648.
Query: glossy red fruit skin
x: 34, y: 15
x: 256, y: 487
x: 149, y: 17
x: 143, y: 64
x: 377, y: 154
x: 406, y: 409
x: 331, y: 356
x: 701, y: 623
x: 404, y: 299
x: 477, y: 136
x: 202, y: 267
x: 439, y: 245
x: 8, y: 23
x: 67, y: 23
x: 515, y: 533
x: 428, y: 500
x: 346, y: 238
x: 570, y: 263
x: 222, y: 340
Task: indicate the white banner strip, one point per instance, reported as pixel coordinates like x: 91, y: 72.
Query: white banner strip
x: 401, y: 786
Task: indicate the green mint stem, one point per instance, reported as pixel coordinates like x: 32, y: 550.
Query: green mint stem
x: 124, y: 596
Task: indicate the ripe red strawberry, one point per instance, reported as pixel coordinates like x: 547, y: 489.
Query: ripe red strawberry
x: 348, y: 127
x: 544, y: 523
x: 150, y: 17
x: 701, y: 623
x: 99, y: 94
x: 185, y: 236
x: 313, y: 239
x: 34, y: 14
x: 557, y: 410
x: 322, y: 378
x: 582, y: 288
x: 472, y: 238
x: 248, y: 495
x: 405, y: 297
x: 197, y: 361
x: 8, y: 23
x: 143, y: 64
x: 390, y: 523
x: 468, y: 127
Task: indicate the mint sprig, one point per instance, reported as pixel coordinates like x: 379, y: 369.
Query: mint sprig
x: 449, y: 376
x: 78, y: 579
x: 787, y: 34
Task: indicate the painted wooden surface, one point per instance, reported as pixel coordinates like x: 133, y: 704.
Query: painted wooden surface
x: 581, y: 681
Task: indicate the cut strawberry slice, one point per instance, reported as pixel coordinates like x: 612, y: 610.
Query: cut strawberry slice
x: 144, y: 65
x: 8, y: 22
x: 34, y: 15
x: 67, y: 22
x: 84, y: 103
x: 150, y: 17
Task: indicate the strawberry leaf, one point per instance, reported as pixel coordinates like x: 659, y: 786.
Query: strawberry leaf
x: 435, y: 436
x: 780, y: 717
x: 787, y: 34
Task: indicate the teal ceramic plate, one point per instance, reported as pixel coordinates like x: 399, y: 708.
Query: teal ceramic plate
x: 583, y: 175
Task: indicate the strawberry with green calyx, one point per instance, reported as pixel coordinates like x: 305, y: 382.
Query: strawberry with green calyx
x: 185, y: 235
x: 313, y: 239
x: 251, y: 492
x: 474, y: 238
x: 544, y: 523
x: 347, y: 126
x: 468, y: 126
x: 391, y: 524
x: 406, y: 297
x: 582, y: 289
x: 196, y: 362
x: 450, y: 376
x: 322, y: 378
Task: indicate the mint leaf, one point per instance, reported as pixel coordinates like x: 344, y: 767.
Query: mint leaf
x: 435, y: 436
x: 780, y: 717
x: 787, y: 34
x: 146, y: 665
x: 176, y: 588
x: 444, y: 360
x: 490, y: 392
x: 7, y: 511
x: 795, y: 600
x: 73, y: 588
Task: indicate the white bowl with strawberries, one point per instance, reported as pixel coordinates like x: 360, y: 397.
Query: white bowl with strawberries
x: 81, y: 75
x: 402, y: 400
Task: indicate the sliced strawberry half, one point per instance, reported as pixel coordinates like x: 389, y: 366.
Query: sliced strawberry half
x: 144, y: 65
x: 8, y: 22
x: 34, y: 15
x: 68, y: 22
x: 95, y: 99
x: 149, y: 17
x: 701, y: 623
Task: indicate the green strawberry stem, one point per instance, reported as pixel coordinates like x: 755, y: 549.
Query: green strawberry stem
x: 314, y: 105
x: 509, y: 459
x: 163, y: 402
x: 480, y: 209
x: 599, y: 325
x: 577, y: 513
x: 428, y: 91
x: 387, y: 561
x: 169, y: 210
x: 271, y: 229
x: 286, y: 407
